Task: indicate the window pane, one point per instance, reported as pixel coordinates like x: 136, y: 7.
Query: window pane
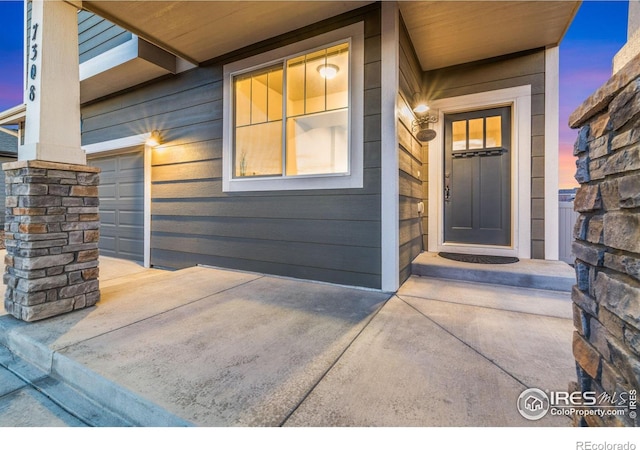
x: 494, y: 131
x: 315, y: 92
x: 295, y: 86
x: 258, y: 150
x: 318, y: 143
x: 259, y: 98
x: 275, y: 95
x: 338, y: 86
x: 459, y: 135
x: 476, y: 133
x: 243, y: 101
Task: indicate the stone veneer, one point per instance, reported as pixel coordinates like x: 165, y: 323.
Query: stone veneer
x: 51, y: 232
x: 606, y: 298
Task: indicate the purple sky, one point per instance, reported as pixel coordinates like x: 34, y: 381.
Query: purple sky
x: 597, y: 33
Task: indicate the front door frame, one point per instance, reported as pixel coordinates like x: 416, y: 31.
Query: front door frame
x: 519, y: 98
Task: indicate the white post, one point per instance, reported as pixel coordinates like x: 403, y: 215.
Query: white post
x: 390, y: 183
x: 52, y: 95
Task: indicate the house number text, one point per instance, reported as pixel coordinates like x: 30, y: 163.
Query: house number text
x: 33, y: 70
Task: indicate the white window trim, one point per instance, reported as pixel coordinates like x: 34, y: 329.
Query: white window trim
x: 520, y: 99
x: 354, y: 179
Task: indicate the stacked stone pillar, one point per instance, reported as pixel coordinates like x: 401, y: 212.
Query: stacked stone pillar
x: 606, y: 343
x: 51, y: 232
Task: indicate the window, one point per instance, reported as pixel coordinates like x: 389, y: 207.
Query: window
x: 477, y: 133
x: 293, y: 116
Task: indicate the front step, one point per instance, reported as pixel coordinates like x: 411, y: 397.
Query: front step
x: 527, y: 273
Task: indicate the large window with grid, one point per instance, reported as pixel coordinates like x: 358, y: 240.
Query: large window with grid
x: 298, y: 117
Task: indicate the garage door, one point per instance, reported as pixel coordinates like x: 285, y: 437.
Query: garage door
x: 121, y: 194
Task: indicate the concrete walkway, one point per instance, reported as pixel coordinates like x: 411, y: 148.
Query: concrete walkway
x: 212, y: 347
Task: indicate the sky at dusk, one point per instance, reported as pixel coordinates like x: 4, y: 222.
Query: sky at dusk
x: 597, y: 33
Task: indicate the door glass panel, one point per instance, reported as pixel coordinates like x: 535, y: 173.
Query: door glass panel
x: 494, y: 131
x: 476, y: 134
x: 459, y: 135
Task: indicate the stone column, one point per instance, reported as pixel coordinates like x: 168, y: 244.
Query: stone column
x: 52, y: 224
x: 51, y: 233
x: 606, y: 298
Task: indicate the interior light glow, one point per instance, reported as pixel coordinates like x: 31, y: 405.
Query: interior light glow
x: 328, y: 71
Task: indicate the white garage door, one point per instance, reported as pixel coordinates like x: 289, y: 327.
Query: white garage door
x: 121, y: 194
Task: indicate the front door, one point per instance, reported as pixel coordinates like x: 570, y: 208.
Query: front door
x: 477, y: 177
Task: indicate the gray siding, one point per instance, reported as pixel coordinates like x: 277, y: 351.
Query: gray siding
x: 97, y: 35
x: 500, y: 73
x: 410, y: 154
x: 327, y: 235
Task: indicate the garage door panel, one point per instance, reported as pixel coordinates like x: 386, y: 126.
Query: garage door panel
x: 131, y: 190
x: 106, y: 191
x: 121, y: 194
x: 130, y: 218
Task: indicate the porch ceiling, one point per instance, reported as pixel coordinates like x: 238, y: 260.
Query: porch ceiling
x: 201, y: 30
x: 446, y: 33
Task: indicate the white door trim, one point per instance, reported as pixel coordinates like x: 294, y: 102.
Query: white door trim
x: 520, y: 99
x: 551, y: 147
x: 112, y: 146
x: 390, y: 232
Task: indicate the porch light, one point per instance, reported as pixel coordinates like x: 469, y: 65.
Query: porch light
x: 419, y: 104
x: 154, y: 139
x: 421, y: 108
x: 328, y: 71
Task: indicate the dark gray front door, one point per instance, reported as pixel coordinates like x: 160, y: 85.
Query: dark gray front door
x: 477, y: 177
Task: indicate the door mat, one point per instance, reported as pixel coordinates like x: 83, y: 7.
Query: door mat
x: 479, y: 259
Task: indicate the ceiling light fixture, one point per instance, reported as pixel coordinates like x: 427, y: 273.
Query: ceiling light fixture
x: 328, y: 71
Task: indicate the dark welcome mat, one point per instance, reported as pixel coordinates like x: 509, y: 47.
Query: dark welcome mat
x: 479, y: 259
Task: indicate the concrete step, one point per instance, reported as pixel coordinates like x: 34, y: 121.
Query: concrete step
x: 61, y: 402
x: 83, y: 393
x: 527, y: 273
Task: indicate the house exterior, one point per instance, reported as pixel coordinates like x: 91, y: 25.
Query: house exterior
x: 286, y: 138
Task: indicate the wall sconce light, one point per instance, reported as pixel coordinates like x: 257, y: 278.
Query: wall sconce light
x: 420, y: 126
x: 328, y: 71
x: 154, y: 139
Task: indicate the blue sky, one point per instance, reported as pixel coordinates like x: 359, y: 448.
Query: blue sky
x: 597, y: 33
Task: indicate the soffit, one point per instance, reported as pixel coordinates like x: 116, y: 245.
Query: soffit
x: 201, y: 30
x: 447, y: 33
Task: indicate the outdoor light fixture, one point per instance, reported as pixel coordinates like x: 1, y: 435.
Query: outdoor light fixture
x: 328, y: 71
x: 154, y: 139
x: 420, y: 126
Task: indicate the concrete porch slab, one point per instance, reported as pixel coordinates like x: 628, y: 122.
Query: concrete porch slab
x: 211, y: 347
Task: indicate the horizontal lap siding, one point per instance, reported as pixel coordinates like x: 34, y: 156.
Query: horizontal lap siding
x: 501, y: 73
x: 410, y: 161
x: 328, y: 235
x: 97, y: 35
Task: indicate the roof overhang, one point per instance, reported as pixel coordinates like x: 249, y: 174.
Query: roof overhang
x: 13, y: 116
x: 447, y: 33
x: 444, y: 32
x: 197, y: 31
